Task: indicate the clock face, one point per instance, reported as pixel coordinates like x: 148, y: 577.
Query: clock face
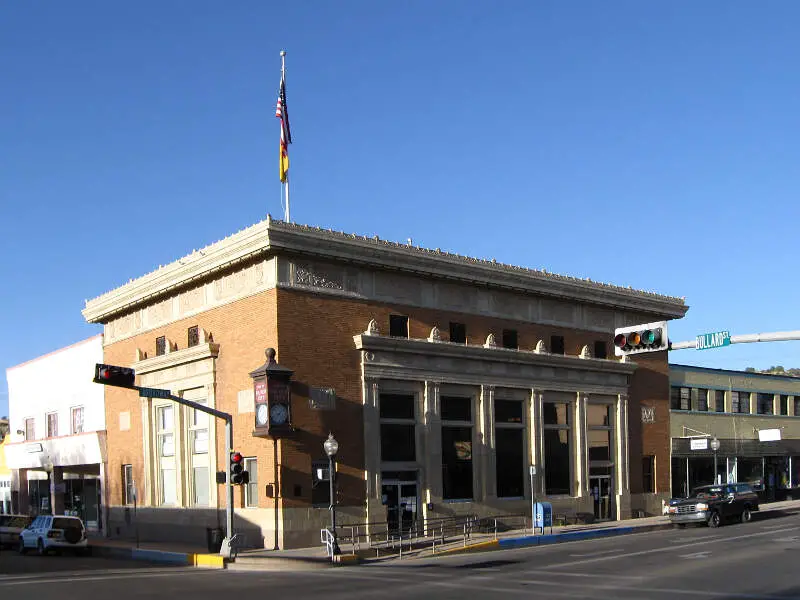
x: 279, y: 414
x: 261, y: 414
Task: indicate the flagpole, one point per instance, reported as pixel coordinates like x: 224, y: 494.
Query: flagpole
x: 286, y: 184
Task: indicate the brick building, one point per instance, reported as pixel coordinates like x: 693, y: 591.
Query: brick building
x: 754, y: 416
x: 444, y: 378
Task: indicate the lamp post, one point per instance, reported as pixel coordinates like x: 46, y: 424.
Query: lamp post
x: 331, y: 447
x: 48, y: 468
x: 715, y: 446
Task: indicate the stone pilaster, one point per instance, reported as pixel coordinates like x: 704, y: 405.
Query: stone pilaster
x: 431, y: 480
x: 488, y: 464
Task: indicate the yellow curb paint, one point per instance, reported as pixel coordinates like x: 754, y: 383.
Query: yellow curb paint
x: 214, y: 561
x: 346, y: 559
x: 470, y: 548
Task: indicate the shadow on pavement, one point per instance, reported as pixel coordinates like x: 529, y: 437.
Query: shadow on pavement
x: 793, y: 592
x: 773, y: 514
x: 12, y: 563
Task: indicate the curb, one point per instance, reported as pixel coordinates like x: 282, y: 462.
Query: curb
x: 552, y: 538
x: 186, y: 559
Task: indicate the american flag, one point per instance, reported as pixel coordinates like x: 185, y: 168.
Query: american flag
x: 282, y: 112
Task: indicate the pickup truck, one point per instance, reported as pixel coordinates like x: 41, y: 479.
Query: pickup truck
x: 714, y: 504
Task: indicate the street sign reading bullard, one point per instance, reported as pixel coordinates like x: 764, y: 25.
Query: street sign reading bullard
x: 707, y: 341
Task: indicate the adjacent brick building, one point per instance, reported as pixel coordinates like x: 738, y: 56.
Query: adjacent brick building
x: 444, y: 378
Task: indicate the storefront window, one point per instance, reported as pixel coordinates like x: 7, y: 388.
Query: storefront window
x: 750, y: 470
x: 557, y: 462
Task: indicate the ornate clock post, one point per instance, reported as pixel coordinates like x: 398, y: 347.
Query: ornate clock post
x: 273, y: 412
x: 273, y: 399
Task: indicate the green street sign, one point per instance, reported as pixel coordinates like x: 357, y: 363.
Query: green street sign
x: 706, y: 341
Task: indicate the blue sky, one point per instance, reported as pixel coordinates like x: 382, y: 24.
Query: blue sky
x: 644, y: 144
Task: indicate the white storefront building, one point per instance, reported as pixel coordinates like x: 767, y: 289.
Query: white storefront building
x: 57, y: 449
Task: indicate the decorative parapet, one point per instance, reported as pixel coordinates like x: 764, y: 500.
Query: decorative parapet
x: 271, y: 237
x: 372, y: 328
x: 490, y: 341
x: 585, y: 352
x: 541, y: 348
x: 435, y: 336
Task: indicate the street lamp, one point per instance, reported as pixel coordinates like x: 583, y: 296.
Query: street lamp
x: 331, y: 447
x: 715, y: 446
x: 48, y: 466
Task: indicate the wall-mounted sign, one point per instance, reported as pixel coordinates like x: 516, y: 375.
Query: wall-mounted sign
x: 648, y: 414
x: 698, y: 443
x: 769, y: 435
x: 33, y: 448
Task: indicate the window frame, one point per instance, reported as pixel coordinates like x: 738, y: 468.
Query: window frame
x: 568, y: 427
x: 51, y: 433
x: 396, y: 320
x: 460, y: 424
x: 521, y: 426
x: 128, y: 484
x: 247, y: 501
x: 72, y: 412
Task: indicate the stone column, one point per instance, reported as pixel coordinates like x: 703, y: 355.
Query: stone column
x: 581, y: 459
x: 56, y: 490
x: 488, y: 465
x: 372, y: 451
x: 622, y: 470
x: 431, y: 480
x: 22, y: 504
x: 147, y: 488
x: 536, y: 437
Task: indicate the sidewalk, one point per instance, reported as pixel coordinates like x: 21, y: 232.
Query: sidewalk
x: 315, y: 557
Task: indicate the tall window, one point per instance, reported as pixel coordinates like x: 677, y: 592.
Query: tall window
x: 127, y: 484
x: 161, y: 345
x: 77, y: 419
x: 398, y: 427
x: 30, y: 432
x: 557, y: 344
x: 198, y: 436
x: 165, y: 445
x: 765, y: 402
x: 719, y: 401
x: 797, y: 412
x: 702, y: 400
x: 648, y: 474
x: 557, y: 452
x: 52, y: 424
x: 600, y: 425
x: 510, y: 447
x: 457, y: 447
x: 784, y: 405
x: 251, y: 489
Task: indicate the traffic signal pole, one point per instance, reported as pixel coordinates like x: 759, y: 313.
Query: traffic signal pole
x: 145, y: 392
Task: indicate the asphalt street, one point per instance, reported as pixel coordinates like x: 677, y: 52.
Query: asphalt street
x: 756, y: 561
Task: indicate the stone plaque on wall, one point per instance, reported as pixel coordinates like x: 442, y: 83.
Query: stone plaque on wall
x: 648, y: 414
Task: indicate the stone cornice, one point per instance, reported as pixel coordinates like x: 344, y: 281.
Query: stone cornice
x: 176, y: 357
x: 277, y: 237
x: 376, y: 343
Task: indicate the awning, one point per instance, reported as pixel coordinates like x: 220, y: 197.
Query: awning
x: 81, y: 449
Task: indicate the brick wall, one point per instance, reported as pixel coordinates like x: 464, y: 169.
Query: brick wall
x: 649, y: 387
x: 243, y: 330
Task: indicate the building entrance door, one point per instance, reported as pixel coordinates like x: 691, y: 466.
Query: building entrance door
x: 400, y: 499
x: 600, y: 487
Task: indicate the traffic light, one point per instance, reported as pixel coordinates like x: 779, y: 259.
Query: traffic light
x: 237, y: 472
x: 114, y: 375
x: 636, y: 339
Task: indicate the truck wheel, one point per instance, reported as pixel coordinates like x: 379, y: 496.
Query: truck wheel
x: 714, y: 520
x: 747, y: 516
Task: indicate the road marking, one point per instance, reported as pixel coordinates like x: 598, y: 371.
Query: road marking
x: 664, y: 549
x: 90, y: 577
x: 705, y: 554
x: 791, y: 539
x: 684, y: 539
x: 614, y: 551
x: 63, y: 574
x: 771, y: 526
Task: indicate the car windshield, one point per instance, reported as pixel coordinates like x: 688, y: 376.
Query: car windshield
x: 708, y: 492
x: 66, y: 524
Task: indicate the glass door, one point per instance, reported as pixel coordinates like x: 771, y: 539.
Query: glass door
x: 600, y: 487
x: 400, y: 499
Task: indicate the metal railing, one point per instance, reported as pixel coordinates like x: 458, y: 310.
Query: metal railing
x: 387, y: 538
